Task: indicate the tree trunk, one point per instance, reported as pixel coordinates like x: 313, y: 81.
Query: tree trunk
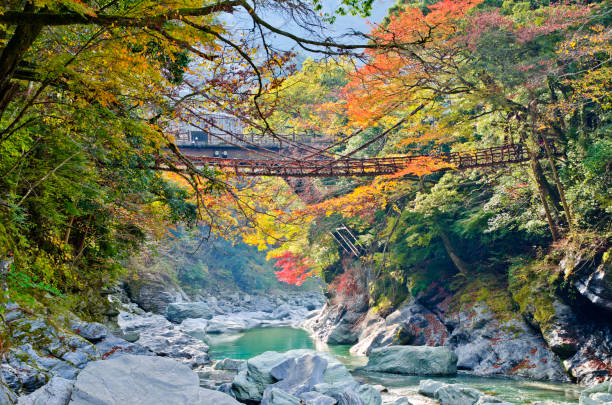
x: 23, y: 37
x: 462, y: 266
x: 566, y: 209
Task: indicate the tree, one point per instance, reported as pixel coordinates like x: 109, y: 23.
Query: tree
x: 478, y: 62
x: 89, y: 93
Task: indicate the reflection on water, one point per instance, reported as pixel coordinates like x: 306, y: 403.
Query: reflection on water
x: 256, y: 341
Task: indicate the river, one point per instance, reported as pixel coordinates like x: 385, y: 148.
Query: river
x: 256, y: 341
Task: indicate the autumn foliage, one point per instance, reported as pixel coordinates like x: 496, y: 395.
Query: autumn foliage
x: 294, y: 269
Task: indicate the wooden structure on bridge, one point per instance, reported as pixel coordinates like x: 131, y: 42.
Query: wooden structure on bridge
x: 322, y: 167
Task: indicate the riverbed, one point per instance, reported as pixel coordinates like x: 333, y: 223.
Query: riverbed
x: 253, y: 342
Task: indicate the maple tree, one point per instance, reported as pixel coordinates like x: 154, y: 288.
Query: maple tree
x: 480, y: 75
x: 89, y: 96
x: 469, y: 63
x: 294, y: 269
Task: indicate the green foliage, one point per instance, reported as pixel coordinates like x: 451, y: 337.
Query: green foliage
x: 200, y: 265
x: 532, y: 284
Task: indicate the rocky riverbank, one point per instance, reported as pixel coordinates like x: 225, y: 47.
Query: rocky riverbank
x: 46, y: 354
x: 534, y: 334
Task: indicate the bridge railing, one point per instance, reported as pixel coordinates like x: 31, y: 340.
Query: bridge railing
x: 254, y: 141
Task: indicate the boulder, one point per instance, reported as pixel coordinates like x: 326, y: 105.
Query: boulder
x: 428, y: 387
x: 369, y: 394
x: 315, y: 398
x: 56, y: 392
x: 177, y: 312
x: 457, y: 394
x: 92, y: 331
x: 401, y: 401
x: 413, y: 360
x: 195, y: 328
x: 133, y: 379
x: 114, y: 346
x: 303, y: 373
x: 348, y: 397
x: 154, y: 291
x: 298, y: 375
x: 277, y: 396
x: 230, y: 364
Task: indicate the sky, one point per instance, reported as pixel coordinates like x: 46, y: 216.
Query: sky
x: 343, y: 24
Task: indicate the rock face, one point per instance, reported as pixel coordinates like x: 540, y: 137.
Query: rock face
x: 410, y: 324
x: 339, y: 324
x: 485, y: 344
x: 456, y: 394
x: 142, y: 380
x: 318, y: 378
x: 179, y: 311
x: 597, y: 286
x: 41, y: 350
x: 413, y: 360
x: 154, y: 291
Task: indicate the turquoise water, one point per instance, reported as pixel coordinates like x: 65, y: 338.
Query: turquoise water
x: 511, y: 390
x: 256, y: 341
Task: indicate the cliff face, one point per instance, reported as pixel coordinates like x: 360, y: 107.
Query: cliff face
x: 542, y: 325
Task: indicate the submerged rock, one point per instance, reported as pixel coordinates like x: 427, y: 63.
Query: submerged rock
x: 456, y: 394
x: 142, y: 379
x: 600, y: 394
x: 413, y: 360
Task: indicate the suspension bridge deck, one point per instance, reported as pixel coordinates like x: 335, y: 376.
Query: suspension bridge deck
x: 320, y: 167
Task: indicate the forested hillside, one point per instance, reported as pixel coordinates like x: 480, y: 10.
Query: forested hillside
x: 95, y: 189
x: 519, y: 238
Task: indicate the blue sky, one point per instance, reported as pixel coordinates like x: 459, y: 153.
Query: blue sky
x: 342, y: 25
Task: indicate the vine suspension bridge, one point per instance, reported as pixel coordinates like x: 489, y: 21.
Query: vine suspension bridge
x: 494, y: 156
x: 279, y: 156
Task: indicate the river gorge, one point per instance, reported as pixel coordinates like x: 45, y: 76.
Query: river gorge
x: 229, y: 343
